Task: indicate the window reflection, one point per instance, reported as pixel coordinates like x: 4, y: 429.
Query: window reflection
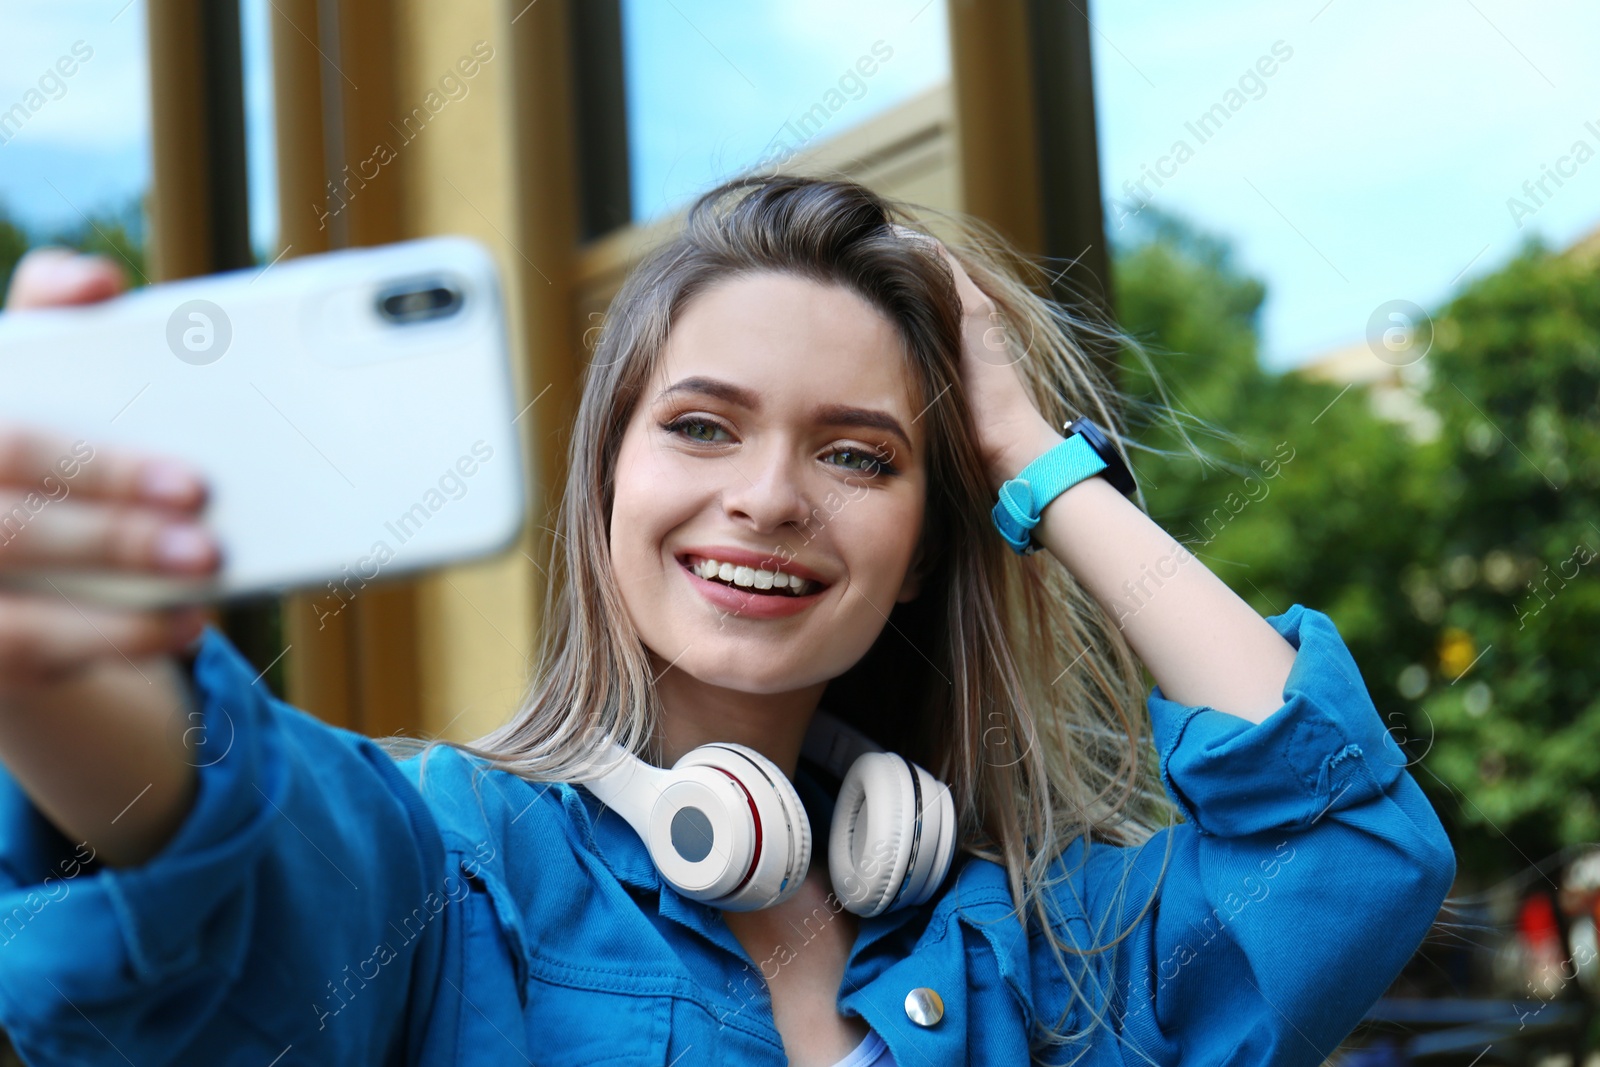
x: 74, y: 131
x: 714, y: 86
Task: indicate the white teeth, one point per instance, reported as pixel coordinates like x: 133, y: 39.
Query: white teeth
x: 752, y: 577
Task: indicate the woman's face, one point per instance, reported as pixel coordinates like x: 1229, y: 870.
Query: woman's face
x: 780, y: 438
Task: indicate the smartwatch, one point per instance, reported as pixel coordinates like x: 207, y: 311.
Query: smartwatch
x: 1086, y: 452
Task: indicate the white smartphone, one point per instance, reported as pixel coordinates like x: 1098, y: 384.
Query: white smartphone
x: 352, y: 412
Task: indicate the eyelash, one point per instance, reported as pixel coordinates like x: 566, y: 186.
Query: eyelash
x: 879, y: 464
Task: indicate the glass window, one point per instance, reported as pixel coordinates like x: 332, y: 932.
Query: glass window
x: 714, y: 86
x: 260, y: 134
x: 74, y: 130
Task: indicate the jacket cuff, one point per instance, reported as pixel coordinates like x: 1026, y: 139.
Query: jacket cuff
x: 1324, y: 749
x: 161, y: 919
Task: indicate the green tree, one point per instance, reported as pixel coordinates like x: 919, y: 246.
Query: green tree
x: 1511, y: 566
x: 119, y: 234
x: 1304, y: 494
x: 13, y: 243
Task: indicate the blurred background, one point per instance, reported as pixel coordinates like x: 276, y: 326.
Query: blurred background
x: 1357, y: 243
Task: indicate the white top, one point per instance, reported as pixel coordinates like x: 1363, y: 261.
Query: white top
x: 872, y: 1052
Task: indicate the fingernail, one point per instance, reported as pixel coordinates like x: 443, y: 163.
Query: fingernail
x: 167, y: 482
x: 178, y: 546
x: 62, y: 267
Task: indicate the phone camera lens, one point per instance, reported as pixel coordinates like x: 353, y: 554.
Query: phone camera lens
x: 419, y: 303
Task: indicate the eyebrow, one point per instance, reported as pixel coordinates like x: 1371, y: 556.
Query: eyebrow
x: 827, y: 414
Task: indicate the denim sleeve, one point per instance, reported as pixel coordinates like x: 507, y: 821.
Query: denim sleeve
x: 292, y: 909
x: 1308, y: 869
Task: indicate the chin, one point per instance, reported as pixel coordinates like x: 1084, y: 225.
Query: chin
x: 744, y: 681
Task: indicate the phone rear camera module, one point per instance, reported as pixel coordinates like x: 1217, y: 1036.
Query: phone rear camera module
x: 419, y: 302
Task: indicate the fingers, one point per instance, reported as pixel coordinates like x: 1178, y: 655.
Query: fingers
x: 974, y: 301
x: 916, y: 235
x: 99, y: 536
x: 44, y: 639
x: 55, y: 277
x: 61, y: 503
x: 43, y: 460
x: 130, y: 511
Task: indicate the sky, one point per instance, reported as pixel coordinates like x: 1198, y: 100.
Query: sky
x: 86, y: 149
x: 1378, y: 160
x: 1375, y: 162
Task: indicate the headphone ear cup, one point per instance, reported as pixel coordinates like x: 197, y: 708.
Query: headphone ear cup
x: 781, y: 847
x: 938, y: 849
x: 699, y: 830
x: 892, y: 836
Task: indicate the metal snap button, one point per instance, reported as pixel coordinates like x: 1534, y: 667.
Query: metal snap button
x: 924, y: 1007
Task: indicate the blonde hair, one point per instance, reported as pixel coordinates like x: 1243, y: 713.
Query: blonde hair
x: 1032, y: 710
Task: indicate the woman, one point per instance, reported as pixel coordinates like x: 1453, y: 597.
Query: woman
x: 798, y: 384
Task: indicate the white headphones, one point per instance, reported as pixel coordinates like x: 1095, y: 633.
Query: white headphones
x: 725, y: 827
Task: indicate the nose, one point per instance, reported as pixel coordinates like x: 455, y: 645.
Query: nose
x: 765, y: 487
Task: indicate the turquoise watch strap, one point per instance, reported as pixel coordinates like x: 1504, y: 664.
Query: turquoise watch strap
x: 1022, y: 498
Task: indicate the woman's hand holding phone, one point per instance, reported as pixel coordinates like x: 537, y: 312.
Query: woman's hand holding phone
x: 82, y: 727
x: 118, y: 510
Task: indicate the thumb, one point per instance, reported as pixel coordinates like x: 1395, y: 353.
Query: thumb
x: 53, y: 277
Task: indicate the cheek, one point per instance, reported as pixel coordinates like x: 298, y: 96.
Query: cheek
x: 651, y: 494
x: 878, y: 534
x: 633, y: 500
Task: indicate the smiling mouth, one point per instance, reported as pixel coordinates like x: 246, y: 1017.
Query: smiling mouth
x: 756, y: 580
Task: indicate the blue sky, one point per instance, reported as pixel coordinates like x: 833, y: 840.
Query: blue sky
x: 1374, y: 163
x: 86, y: 148
x: 1377, y: 162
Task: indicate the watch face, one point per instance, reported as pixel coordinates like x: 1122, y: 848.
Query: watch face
x: 1116, y: 472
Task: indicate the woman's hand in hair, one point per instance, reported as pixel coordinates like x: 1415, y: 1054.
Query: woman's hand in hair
x: 1011, y: 431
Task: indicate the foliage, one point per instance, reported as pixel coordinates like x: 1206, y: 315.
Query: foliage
x: 13, y: 242
x: 118, y: 234
x: 1513, y: 560
x: 1421, y: 552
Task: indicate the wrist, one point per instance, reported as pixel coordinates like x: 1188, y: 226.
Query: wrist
x: 1048, y: 466
x: 1035, y: 439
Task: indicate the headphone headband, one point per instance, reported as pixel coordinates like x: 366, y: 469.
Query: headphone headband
x: 833, y: 744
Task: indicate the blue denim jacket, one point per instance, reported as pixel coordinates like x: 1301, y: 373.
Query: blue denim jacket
x: 324, y: 904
